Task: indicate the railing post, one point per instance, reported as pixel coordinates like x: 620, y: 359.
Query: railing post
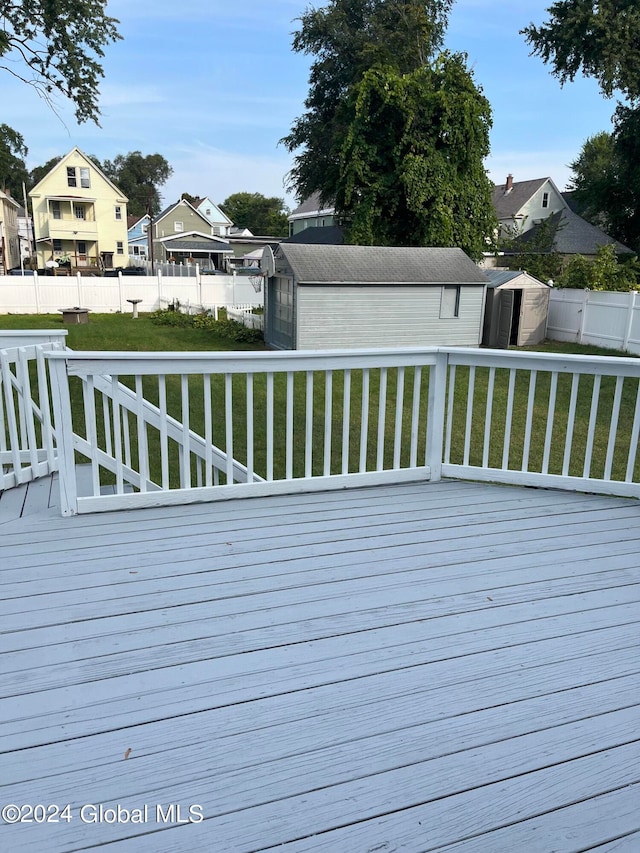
x: 64, y: 436
x: 436, y: 414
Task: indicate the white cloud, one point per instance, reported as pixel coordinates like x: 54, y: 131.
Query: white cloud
x: 114, y: 95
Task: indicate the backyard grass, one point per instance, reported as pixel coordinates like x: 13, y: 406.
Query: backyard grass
x: 121, y: 332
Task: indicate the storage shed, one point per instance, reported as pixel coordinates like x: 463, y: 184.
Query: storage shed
x: 516, y: 311
x: 346, y: 297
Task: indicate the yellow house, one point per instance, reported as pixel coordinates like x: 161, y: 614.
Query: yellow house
x: 80, y: 217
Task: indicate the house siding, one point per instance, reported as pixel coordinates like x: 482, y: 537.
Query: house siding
x: 533, y: 211
x: 350, y: 317
x: 103, y: 232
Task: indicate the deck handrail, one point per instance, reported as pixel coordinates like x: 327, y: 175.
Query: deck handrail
x: 325, y: 419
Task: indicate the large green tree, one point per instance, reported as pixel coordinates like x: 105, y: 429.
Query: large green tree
x: 598, y: 39
x: 394, y: 133
x: 262, y: 215
x: 12, y: 166
x: 140, y: 178
x: 56, y: 46
x: 601, y: 40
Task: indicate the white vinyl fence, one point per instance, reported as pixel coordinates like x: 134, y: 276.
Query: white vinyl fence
x: 34, y: 294
x: 600, y: 318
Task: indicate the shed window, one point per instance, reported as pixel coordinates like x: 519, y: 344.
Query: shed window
x: 450, y: 302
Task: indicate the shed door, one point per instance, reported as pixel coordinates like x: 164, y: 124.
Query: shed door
x: 280, y: 309
x: 533, y: 316
x: 504, y: 321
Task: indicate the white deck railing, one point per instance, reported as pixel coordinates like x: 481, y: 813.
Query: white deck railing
x: 27, y: 437
x: 270, y: 423
x: 186, y: 427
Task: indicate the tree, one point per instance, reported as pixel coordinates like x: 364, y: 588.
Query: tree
x: 188, y: 197
x: 393, y: 133
x: 139, y: 177
x: 604, y: 272
x: 348, y: 37
x: 606, y: 179
x: 601, y: 41
x: 258, y: 213
x: 412, y: 169
x: 56, y: 45
x: 12, y: 167
x: 598, y: 39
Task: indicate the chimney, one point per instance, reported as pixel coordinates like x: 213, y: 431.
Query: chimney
x: 509, y: 185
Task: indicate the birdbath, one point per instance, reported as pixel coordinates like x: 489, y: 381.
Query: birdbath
x: 135, y: 303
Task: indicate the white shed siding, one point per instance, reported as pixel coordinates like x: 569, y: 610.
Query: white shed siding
x: 349, y: 317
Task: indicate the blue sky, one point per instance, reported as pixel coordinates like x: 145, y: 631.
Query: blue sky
x: 213, y: 86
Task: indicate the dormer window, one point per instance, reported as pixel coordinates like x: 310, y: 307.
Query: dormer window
x: 545, y: 199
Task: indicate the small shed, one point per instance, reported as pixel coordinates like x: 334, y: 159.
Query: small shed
x: 349, y: 297
x: 516, y: 310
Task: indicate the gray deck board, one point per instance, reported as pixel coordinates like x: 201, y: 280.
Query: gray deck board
x: 420, y: 667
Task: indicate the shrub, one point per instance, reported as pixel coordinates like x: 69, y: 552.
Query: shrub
x: 223, y: 328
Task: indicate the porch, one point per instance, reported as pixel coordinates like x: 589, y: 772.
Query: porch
x: 427, y: 666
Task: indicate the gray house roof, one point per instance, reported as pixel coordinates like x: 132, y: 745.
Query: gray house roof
x: 508, y: 204
x: 379, y: 265
x: 569, y: 234
x: 312, y: 204
x: 331, y: 235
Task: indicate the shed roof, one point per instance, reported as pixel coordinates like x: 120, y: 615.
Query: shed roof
x: 497, y: 278
x: 379, y: 265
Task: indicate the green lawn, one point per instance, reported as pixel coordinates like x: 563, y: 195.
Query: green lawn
x: 121, y: 332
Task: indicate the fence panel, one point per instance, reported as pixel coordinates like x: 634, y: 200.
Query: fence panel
x: 605, y: 319
x: 34, y: 294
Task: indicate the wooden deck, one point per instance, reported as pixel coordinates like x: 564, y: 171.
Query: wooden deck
x: 452, y: 666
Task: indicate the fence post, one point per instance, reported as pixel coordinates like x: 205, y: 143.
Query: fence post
x: 36, y: 290
x: 631, y: 307
x: 159, y: 288
x: 583, y: 315
x: 120, y: 293
x: 436, y: 414
x: 64, y: 436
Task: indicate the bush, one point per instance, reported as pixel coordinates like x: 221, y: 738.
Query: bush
x: 228, y: 329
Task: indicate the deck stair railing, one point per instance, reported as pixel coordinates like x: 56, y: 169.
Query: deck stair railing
x: 27, y: 437
x: 184, y: 427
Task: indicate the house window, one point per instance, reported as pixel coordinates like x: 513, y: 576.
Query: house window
x: 72, y: 181
x: 178, y: 226
x: 56, y: 213
x: 117, y: 210
x: 119, y: 248
x: 80, y: 211
x: 145, y: 228
x: 208, y: 211
x: 450, y: 302
x: 545, y: 199
x: 84, y: 178
x: 82, y: 247
x: 57, y: 245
